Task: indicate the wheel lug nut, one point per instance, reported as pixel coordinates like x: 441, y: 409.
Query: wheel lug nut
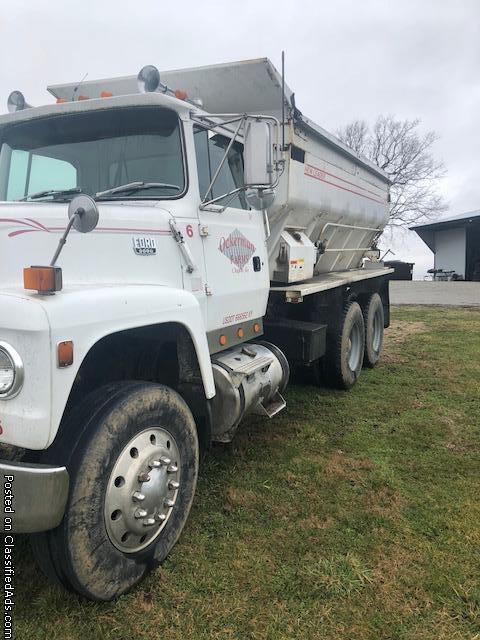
x: 173, y: 484
x: 138, y: 497
x: 172, y: 468
x: 168, y: 502
x: 164, y: 460
x: 154, y: 464
x: 148, y: 522
x: 140, y: 513
x: 160, y: 517
x: 143, y: 477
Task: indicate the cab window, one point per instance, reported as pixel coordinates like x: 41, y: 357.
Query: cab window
x: 210, y: 149
x: 94, y: 151
x: 30, y: 173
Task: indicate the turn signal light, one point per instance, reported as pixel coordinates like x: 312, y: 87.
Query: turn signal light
x: 43, y: 279
x: 65, y: 353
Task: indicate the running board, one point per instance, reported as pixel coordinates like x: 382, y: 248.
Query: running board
x: 276, y: 405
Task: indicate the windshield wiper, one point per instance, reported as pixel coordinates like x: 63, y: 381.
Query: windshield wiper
x: 136, y: 186
x: 50, y: 192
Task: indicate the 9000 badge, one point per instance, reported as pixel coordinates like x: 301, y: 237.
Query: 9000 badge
x: 144, y: 246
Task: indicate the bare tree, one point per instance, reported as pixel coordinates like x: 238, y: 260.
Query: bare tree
x: 405, y: 154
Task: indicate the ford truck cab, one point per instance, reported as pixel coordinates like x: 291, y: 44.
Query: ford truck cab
x: 172, y: 271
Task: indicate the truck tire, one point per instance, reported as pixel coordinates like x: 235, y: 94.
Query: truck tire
x: 345, y: 348
x: 133, y: 470
x: 374, y: 322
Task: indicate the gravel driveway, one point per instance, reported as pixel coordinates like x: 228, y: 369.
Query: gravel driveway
x: 452, y: 294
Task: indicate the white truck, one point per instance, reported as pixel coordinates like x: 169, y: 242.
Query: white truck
x: 230, y: 239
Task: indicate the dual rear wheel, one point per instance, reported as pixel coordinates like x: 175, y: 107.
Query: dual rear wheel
x: 374, y: 321
x: 355, y: 341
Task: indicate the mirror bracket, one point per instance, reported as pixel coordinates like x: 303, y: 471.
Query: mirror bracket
x: 83, y: 217
x: 273, y: 157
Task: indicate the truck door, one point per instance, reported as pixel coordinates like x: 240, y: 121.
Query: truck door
x: 236, y: 262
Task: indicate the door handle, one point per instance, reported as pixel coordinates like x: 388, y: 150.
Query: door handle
x: 183, y: 246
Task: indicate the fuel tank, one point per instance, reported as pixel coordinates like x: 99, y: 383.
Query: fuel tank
x: 249, y: 378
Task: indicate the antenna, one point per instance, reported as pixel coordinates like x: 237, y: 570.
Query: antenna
x: 283, y: 100
x: 78, y: 86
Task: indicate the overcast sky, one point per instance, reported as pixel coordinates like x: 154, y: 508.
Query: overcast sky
x: 345, y: 59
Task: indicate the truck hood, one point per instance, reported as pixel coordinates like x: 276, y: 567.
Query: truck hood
x: 30, y: 231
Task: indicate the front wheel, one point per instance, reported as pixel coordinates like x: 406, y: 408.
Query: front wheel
x: 133, y: 472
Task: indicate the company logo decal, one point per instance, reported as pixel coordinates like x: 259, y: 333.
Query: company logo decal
x: 237, y: 248
x: 144, y: 246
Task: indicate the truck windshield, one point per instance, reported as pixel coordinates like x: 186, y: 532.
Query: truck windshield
x: 94, y: 151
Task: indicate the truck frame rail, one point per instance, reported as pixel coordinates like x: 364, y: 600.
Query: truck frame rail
x: 295, y: 293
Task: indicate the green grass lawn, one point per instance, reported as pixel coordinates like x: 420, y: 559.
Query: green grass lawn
x: 351, y: 515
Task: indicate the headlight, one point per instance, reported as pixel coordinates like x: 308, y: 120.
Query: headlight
x: 11, y: 371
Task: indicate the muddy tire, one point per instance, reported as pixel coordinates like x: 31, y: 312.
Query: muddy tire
x: 374, y: 325
x: 345, y: 349
x: 131, y: 450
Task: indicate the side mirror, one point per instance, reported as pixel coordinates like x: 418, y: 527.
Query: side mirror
x: 260, y: 199
x: 83, y: 213
x: 83, y: 217
x: 258, y: 155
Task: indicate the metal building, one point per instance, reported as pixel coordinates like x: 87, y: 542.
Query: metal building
x: 455, y: 243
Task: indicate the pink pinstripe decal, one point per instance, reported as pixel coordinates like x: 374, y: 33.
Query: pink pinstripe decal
x: 33, y: 226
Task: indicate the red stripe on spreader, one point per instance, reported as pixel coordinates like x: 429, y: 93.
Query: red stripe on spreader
x: 339, y: 178
x: 348, y: 182
x: 318, y: 177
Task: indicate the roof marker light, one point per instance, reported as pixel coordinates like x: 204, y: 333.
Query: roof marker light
x: 83, y: 98
x: 180, y: 94
x: 106, y: 94
x: 61, y: 100
x: 148, y: 79
x: 16, y: 102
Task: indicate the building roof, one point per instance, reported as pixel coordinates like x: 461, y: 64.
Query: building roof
x: 427, y: 230
x: 459, y: 218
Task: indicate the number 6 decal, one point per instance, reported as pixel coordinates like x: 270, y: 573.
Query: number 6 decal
x: 189, y: 230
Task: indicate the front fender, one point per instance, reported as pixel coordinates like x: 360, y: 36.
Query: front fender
x: 25, y: 419
x: 86, y: 315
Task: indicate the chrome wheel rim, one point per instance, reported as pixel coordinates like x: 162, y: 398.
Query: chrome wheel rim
x: 354, y: 348
x: 142, y: 489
